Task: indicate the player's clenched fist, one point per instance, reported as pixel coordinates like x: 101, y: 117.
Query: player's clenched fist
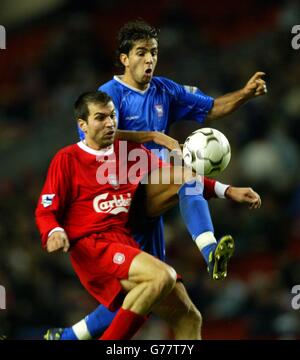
x: 58, y: 240
x: 256, y: 86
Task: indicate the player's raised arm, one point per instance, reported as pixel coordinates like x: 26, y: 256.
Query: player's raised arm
x: 228, y: 103
x: 244, y: 195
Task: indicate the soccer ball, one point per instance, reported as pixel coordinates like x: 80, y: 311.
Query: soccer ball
x: 207, y: 151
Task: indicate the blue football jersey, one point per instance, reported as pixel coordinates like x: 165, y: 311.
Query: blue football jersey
x: 155, y: 109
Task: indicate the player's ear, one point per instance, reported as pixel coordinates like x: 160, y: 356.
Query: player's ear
x: 82, y: 125
x: 124, y: 59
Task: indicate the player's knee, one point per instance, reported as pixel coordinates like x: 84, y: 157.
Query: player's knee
x: 195, y: 317
x: 189, y: 313
x: 166, y: 279
x: 191, y: 317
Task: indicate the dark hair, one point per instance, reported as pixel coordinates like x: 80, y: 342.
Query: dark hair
x: 131, y: 32
x: 81, y: 104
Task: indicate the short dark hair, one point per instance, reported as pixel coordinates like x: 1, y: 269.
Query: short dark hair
x: 81, y: 104
x: 131, y: 32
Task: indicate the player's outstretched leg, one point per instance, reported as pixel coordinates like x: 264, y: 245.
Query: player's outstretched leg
x: 148, y: 282
x: 188, y: 191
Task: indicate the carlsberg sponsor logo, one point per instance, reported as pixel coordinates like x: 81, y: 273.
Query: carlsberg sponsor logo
x: 118, y: 203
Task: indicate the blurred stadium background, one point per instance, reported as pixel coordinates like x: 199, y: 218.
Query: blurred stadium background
x: 57, y: 49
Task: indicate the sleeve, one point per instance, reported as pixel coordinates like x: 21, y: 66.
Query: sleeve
x: 214, y: 189
x: 54, y: 197
x: 209, y: 188
x: 188, y: 102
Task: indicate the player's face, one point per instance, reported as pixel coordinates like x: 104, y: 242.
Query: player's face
x: 140, y: 63
x: 100, y: 128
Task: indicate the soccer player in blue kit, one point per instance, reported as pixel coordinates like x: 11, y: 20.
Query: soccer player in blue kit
x: 146, y: 106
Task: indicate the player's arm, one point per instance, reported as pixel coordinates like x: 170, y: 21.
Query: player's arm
x: 52, y: 201
x: 142, y: 137
x: 228, y: 103
x: 216, y: 189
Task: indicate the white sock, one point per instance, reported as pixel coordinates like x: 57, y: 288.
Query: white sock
x: 81, y: 331
x: 204, y: 239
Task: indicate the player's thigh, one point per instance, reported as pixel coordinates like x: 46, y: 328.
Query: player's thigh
x: 176, y: 305
x: 161, y: 191
x: 145, y: 267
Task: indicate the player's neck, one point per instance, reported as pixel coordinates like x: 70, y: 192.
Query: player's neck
x: 127, y: 79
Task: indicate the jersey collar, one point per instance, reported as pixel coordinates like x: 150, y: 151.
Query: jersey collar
x: 118, y: 78
x: 107, y: 151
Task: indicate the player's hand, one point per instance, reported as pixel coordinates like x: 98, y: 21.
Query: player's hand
x: 166, y: 141
x: 244, y: 195
x: 58, y: 240
x: 256, y: 86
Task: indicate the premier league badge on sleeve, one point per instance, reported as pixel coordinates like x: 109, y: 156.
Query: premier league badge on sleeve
x: 47, y: 199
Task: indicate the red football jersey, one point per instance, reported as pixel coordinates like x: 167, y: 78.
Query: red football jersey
x: 85, y: 189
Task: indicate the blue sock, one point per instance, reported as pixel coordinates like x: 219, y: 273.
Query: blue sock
x: 207, y: 250
x: 68, y: 334
x: 96, y: 322
x: 195, y: 213
x: 99, y: 320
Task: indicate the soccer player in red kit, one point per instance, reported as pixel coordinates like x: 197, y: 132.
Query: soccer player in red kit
x: 77, y: 210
